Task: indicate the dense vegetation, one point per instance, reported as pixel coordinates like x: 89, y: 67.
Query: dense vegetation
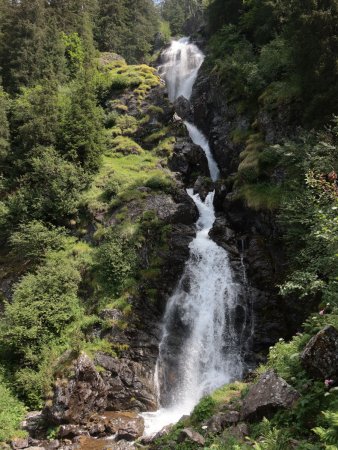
x: 69, y: 147
x: 275, y: 63
x: 68, y: 155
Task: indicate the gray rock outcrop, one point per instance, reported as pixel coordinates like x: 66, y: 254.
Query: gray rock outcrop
x: 320, y: 356
x: 269, y: 394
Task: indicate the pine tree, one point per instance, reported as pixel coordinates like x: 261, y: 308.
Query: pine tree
x: 81, y: 137
x: 30, y: 48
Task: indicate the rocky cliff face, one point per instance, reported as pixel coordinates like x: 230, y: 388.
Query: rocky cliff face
x: 252, y: 237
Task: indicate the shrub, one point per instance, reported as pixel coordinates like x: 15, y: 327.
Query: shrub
x: 33, y: 240
x: 116, y: 260
x: 43, y: 304
x: 126, y: 146
x: 12, y: 412
x: 203, y: 410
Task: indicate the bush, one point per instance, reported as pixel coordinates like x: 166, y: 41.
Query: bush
x: 203, y: 410
x: 12, y: 412
x: 116, y: 261
x: 159, y: 182
x: 43, y: 304
x: 32, y: 241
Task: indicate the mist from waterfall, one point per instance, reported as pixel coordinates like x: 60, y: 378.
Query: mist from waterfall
x: 200, y: 348
x: 181, y: 63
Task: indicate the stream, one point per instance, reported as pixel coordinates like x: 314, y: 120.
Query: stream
x: 207, y: 353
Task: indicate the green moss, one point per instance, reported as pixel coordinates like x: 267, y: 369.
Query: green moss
x: 262, y: 195
x: 239, y: 136
x: 99, y: 345
x: 124, y: 125
x: 227, y: 393
x: 155, y: 110
x: 126, y: 146
x: 157, y: 135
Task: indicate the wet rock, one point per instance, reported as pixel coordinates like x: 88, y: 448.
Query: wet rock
x: 20, y: 443
x: 188, y: 159
x: 183, y: 108
x: 125, y: 425
x: 125, y: 379
x: 320, y: 356
x: 180, y: 210
x: 70, y: 431
x: 268, y: 395
x: 203, y: 186
x: 147, y: 440
x: 76, y: 398
x: 219, y: 421
x: 190, y: 435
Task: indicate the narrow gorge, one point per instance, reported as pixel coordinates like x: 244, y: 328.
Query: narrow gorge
x: 201, y: 348
x: 168, y: 225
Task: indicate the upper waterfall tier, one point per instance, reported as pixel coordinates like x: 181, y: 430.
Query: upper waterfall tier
x: 181, y: 63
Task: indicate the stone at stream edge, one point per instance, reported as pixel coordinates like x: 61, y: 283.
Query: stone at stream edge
x: 320, y: 356
x: 269, y: 394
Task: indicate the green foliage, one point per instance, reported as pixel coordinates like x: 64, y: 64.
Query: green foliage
x: 272, y: 438
x: 127, y: 28
x: 51, y: 191
x: 34, y: 122
x: 116, y: 261
x: 82, y: 127
x: 32, y: 241
x: 12, y: 412
x: 283, y: 53
x: 178, y: 12
x: 4, y: 127
x: 74, y: 52
x: 43, y: 304
x: 329, y: 434
x: 203, y: 410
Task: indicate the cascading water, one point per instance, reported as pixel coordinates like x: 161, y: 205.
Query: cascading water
x: 181, y: 63
x: 201, y: 345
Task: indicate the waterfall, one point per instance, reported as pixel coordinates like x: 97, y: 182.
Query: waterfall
x: 181, y: 63
x: 200, y: 348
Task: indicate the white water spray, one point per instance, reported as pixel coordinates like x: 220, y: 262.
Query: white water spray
x: 181, y: 63
x: 200, y: 347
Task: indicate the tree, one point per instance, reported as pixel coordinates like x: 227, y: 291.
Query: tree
x: 43, y: 304
x: 4, y: 127
x: 49, y: 191
x: 127, y: 27
x: 31, y: 48
x: 34, y: 122
x: 81, y: 138
x: 33, y: 240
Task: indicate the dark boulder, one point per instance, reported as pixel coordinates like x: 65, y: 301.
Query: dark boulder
x: 219, y: 421
x: 188, y: 159
x: 268, y: 395
x: 203, y: 186
x: 320, y: 356
x: 239, y: 431
x: 183, y: 108
x: 70, y: 431
x: 19, y: 443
